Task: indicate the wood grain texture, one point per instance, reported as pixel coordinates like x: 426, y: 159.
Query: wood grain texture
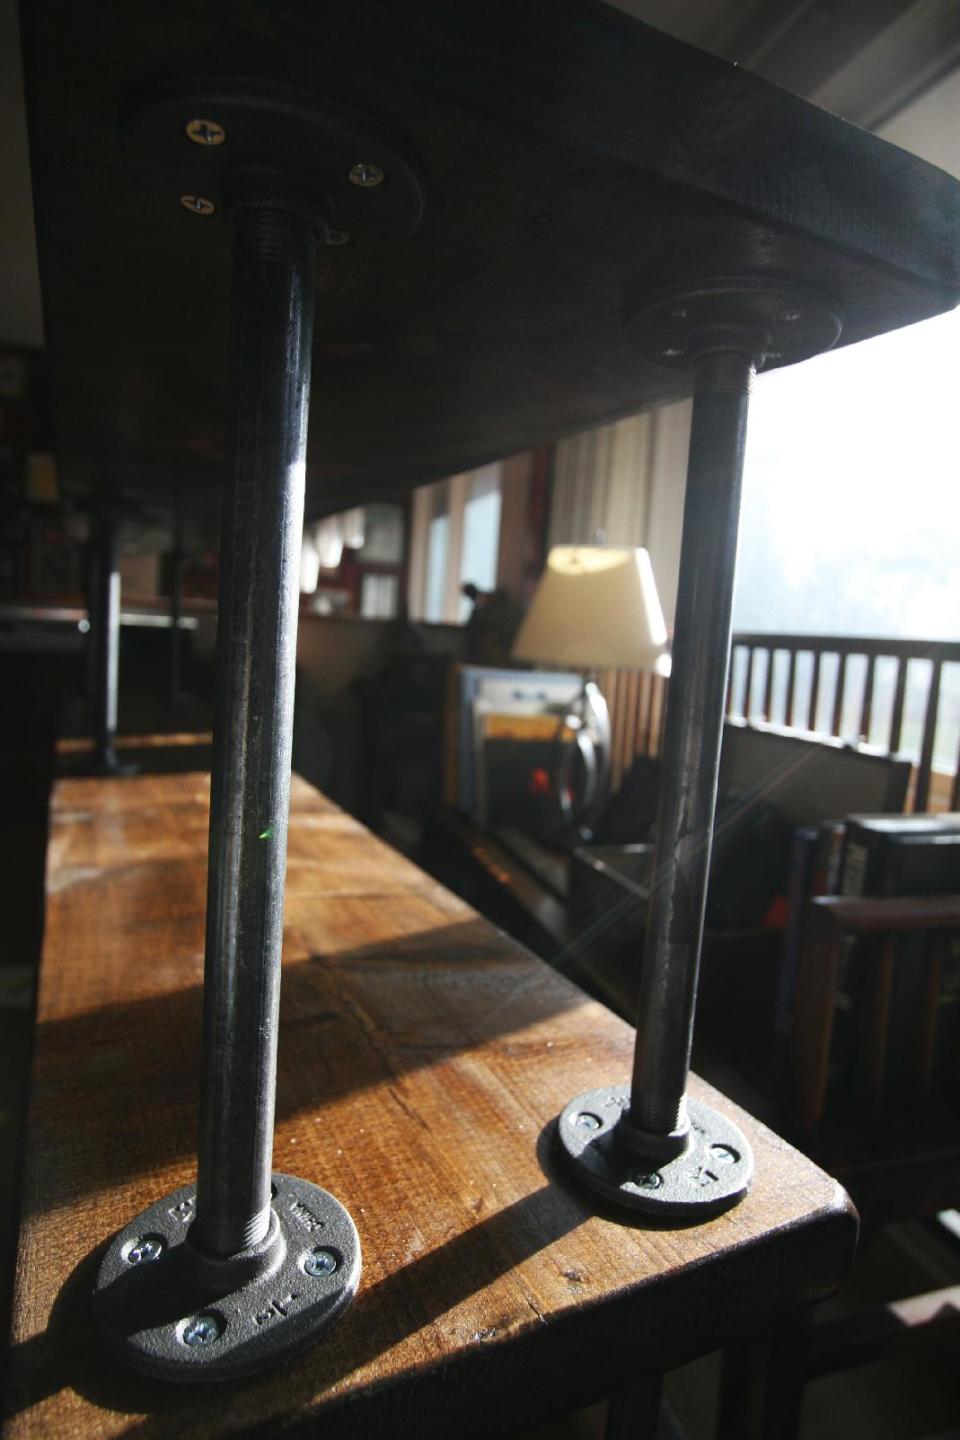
x: 572, y: 167
x: 423, y: 1057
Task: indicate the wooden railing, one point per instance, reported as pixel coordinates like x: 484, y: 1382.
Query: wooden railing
x: 839, y: 698
x: 887, y: 693
x: 637, y: 705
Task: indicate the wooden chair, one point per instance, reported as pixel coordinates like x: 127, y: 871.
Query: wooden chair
x: 874, y: 1080
x: 874, y: 1076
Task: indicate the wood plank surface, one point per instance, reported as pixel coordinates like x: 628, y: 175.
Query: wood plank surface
x: 570, y: 170
x: 423, y: 1058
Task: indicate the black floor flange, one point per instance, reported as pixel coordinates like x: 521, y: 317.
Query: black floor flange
x: 712, y: 1173
x: 174, y: 1313
x: 109, y: 769
x: 776, y: 321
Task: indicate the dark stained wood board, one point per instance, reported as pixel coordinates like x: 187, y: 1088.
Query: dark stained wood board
x: 574, y: 161
x: 423, y: 1057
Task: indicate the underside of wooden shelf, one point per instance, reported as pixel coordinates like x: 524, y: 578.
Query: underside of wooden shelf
x: 574, y: 163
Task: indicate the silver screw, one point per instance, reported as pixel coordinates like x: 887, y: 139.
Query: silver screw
x: 336, y: 237
x: 588, y: 1121
x: 201, y: 1330
x: 651, y: 1181
x: 145, y: 1251
x: 671, y: 353
x: 205, y: 132
x: 320, y: 1262
x: 725, y: 1154
x: 366, y: 176
x: 789, y: 317
x: 199, y: 204
x: 680, y: 313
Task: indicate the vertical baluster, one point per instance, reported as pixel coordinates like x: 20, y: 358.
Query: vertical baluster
x: 748, y: 685
x: 791, y: 685
x: 838, y: 695
x: 607, y: 681
x: 617, y: 679
x: 633, y: 714
x: 643, y: 714
x: 866, y: 709
x: 656, y: 716
x: 899, y: 696
x: 814, y: 690
x: 768, y: 683
x: 922, y: 794
x: 661, y: 720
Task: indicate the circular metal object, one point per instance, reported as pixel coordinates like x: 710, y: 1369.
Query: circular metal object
x: 286, y: 146
x: 366, y: 177
x: 187, y: 1316
x: 775, y: 322
x: 205, y: 132
x: 713, y: 1173
x: 198, y: 204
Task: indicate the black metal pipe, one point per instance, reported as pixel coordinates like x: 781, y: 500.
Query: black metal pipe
x: 273, y: 297
x: 106, y: 639
x: 176, y: 605
x: 691, y: 750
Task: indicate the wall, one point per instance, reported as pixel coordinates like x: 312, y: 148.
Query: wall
x: 627, y: 480
x: 930, y: 127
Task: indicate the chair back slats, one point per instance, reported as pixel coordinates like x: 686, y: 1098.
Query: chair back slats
x: 876, y: 1023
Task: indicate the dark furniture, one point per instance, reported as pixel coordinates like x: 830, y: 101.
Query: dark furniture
x: 888, y: 970
x: 872, y: 1090
x: 585, y: 913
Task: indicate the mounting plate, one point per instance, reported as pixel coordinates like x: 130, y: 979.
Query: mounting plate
x: 777, y: 322
x: 266, y: 134
x: 713, y: 1173
x: 109, y: 769
x: 167, y: 1311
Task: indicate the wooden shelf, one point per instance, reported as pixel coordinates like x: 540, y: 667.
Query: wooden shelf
x: 423, y: 1059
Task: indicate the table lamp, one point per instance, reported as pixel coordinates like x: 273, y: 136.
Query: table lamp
x: 595, y: 607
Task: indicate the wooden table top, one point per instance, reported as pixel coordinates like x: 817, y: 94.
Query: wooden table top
x: 423, y: 1057
x: 570, y: 170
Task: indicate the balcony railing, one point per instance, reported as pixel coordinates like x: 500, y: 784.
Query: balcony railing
x: 899, y: 696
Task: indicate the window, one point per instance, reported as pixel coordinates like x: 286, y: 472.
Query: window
x: 455, y: 541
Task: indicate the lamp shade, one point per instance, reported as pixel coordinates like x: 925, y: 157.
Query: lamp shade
x: 595, y: 608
